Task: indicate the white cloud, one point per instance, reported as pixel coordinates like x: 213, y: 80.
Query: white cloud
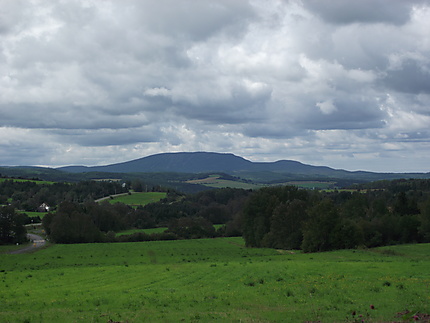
x: 319, y: 82
x: 326, y: 107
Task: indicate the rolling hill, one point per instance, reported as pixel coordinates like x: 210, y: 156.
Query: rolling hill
x: 206, y: 162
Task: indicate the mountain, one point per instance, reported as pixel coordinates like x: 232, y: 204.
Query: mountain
x: 206, y: 162
x: 186, y: 162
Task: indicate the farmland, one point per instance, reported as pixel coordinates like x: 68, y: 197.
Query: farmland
x: 211, y: 279
x: 137, y: 199
x: 20, y: 180
x: 216, y: 181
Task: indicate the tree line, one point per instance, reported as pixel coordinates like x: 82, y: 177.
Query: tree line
x: 290, y: 218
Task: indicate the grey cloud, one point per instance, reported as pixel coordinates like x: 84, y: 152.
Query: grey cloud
x: 395, y: 12
x: 236, y: 105
x: 417, y: 136
x: 273, y: 130
x: 66, y: 117
x: 108, y: 137
x: 195, y: 20
x: 349, y: 114
x: 411, y: 77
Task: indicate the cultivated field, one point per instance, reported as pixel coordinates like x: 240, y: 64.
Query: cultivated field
x: 212, y: 280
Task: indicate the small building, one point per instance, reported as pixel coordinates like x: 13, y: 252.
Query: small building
x: 43, y: 208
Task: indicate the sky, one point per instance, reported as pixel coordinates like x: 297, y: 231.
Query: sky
x: 338, y: 83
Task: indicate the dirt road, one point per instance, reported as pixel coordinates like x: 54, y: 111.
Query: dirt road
x: 36, y: 242
x: 108, y: 197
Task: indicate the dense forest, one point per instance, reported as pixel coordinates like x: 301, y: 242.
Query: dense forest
x: 289, y: 218
x: 282, y: 217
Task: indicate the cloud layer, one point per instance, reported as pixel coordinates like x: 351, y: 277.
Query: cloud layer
x: 343, y: 84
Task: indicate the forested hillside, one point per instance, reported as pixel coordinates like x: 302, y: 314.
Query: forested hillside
x: 28, y: 195
x: 283, y: 217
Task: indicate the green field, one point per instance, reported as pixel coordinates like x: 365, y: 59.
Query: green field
x: 147, y: 231
x: 33, y: 214
x: 211, y: 280
x: 153, y: 230
x: 216, y: 181
x: 136, y: 199
x: 26, y: 180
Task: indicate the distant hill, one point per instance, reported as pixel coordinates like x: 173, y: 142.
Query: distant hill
x: 206, y: 162
x: 177, y: 169
x: 194, y: 162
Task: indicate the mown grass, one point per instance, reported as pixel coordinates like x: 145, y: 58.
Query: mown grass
x: 211, y: 280
x: 141, y: 198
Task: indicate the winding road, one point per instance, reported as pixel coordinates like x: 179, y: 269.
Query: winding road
x: 109, y: 196
x: 36, y: 242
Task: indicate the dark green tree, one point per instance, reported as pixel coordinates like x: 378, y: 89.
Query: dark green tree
x: 12, y: 229
x: 317, y: 231
x: 286, y: 225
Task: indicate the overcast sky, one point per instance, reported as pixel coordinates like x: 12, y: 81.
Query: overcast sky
x: 339, y: 83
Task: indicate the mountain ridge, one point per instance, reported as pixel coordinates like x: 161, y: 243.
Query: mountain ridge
x: 204, y: 162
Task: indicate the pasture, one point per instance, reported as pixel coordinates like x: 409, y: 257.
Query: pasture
x: 216, y: 181
x: 139, y: 198
x: 147, y: 231
x: 153, y: 230
x: 212, y: 280
x: 33, y: 214
x: 25, y: 180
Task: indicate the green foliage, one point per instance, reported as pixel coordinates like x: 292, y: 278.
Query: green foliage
x: 319, y: 229
x: 264, y: 207
x: 72, y: 225
x: 192, y: 228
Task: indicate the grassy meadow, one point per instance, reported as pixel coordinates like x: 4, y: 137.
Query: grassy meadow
x: 147, y: 231
x: 26, y: 180
x: 211, y: 280
x: 139, y: 198
x: 153, y: 230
